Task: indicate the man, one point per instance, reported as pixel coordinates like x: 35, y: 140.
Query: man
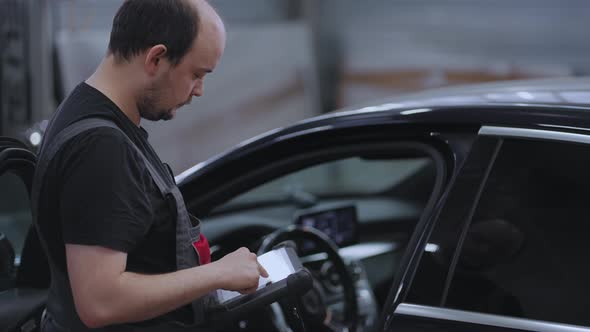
x: 110, y: 233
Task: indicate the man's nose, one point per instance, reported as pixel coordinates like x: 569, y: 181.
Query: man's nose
x: 198, y: 90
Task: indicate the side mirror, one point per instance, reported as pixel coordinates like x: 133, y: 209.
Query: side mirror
x: 7, y: 265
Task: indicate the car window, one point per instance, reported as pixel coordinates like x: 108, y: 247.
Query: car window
x: 15, y: 219
x: 15, y: 211
x: 525, y: 251
x: 351, y: 176
x: 370, y: 197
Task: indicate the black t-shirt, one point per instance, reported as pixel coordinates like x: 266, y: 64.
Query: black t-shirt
x: 97, y: 191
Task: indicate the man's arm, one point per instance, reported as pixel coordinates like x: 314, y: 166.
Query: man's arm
x: 104, y: 293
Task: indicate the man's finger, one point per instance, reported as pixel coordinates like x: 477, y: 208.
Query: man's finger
x: 262, y: 270
x: 248, y: 290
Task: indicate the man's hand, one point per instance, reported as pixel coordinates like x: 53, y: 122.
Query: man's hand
x: 240, y: 271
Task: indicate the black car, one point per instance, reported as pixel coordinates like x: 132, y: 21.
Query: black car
x: 461, y: 209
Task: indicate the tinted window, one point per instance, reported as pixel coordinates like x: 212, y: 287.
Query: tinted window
x: 430, y: 277
x: 526, y: 250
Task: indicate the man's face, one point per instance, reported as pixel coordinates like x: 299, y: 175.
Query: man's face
x: 175, y: 86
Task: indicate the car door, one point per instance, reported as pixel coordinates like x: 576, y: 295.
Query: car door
x: 509, y: 249
x: 264, y: 185
x: 24, y: 274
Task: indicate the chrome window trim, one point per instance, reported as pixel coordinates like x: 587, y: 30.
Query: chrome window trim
x: 534, y: 133
x: 485, y: 319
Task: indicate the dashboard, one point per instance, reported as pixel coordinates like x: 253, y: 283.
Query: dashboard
x: 339, y: 223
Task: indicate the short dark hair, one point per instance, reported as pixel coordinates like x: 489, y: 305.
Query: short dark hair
x: 141, y: 24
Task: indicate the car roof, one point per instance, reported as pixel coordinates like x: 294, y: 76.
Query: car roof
x: 568, y: 91
x: 559, y: 103
x: 552, y: 101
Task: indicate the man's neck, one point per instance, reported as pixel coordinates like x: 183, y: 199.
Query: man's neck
x: 116, y: 83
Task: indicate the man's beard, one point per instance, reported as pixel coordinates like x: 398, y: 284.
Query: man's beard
x: 147, y: 105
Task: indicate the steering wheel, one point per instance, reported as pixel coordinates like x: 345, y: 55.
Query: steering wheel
x: 312, y: 305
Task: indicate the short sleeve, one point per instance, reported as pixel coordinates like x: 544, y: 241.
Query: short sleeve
x: 104, y: 197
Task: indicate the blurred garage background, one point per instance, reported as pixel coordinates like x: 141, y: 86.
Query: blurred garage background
x: 287, y: 60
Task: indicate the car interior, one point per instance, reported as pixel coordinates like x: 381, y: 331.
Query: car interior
x: 366, y: 200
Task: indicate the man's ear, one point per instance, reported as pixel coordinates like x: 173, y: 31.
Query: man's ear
x: 154, y: 58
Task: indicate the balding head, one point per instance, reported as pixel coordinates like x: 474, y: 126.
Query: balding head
x: 142, y: 24
x: 209, y: 18
x: 211, y: 28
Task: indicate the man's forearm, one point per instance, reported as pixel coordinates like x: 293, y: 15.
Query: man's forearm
x: 136, y: 297
x: 105, y: 294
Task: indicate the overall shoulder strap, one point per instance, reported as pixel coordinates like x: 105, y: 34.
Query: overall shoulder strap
x: 70, y: 132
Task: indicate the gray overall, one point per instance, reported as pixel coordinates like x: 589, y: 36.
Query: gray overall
x: 186, y: 256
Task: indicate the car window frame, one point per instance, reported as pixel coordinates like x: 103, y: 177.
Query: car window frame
x: 203, y: 180
x: 476, y: 162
